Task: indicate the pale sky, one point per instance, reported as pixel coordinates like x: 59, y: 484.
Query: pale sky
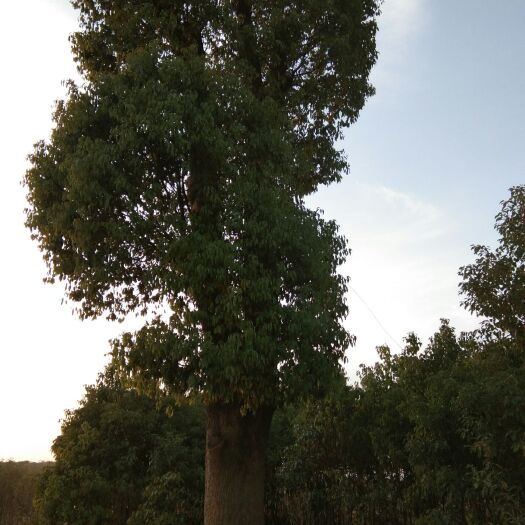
x: 432, y: 155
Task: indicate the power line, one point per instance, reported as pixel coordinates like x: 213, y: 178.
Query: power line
x: 375, y: 317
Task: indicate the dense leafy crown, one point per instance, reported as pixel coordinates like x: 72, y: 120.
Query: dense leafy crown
x: 175, y: 177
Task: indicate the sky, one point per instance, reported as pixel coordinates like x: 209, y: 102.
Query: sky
x: 432, y: 155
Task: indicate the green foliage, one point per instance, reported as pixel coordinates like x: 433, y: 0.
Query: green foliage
x: 18, y: 483
x: 429, y: 436
x: 170, y: 500
x: 433, y: 436
x: 175, y: 177
x: 494, y: 285
x: 116, y: 453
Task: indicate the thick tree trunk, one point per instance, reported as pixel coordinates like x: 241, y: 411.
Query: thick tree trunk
x: 235, y: 465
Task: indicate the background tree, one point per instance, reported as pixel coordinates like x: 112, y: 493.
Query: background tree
x: 18, y: 483
x: 113, y: 456
x: 494, y: 285
x: 174, y: 179
x: 430, y: 436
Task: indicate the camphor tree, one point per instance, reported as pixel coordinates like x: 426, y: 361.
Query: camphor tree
x: 175, y: 179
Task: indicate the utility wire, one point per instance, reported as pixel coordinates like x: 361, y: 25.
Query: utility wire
x: 375, y: 317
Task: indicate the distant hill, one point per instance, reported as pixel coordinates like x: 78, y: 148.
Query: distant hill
x: 18, y: 481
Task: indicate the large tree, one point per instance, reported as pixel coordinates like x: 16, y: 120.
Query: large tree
x: 174, y: 180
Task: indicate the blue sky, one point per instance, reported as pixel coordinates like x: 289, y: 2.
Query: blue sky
x: 432, y: 155
x: 449, y: 107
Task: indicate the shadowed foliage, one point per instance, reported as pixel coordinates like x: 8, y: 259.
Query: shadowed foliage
x: 120, y: 459
x: 18, y: 484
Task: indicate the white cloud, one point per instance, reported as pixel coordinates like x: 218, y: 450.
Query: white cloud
x: 416, y: 207
x: 411, y: 219
x: 381, y: 215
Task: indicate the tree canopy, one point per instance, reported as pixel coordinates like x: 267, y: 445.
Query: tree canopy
x: 18, y: 484
x: 175, y: 176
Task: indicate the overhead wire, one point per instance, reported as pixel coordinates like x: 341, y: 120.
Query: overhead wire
x: 387, y: 333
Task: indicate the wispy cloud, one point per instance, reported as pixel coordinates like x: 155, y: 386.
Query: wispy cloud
x: 409, y: 203
x: 378, y: 214
x: 412, y: 219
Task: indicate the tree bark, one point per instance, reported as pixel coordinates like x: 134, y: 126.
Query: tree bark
x: 235, y: 465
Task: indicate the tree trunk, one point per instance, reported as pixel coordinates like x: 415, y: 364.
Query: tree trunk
x: 235, y: 465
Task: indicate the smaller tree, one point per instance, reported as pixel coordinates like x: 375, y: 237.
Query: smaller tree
x: 494, y: 285
x: 430, y: 436
x: 115, y: 452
